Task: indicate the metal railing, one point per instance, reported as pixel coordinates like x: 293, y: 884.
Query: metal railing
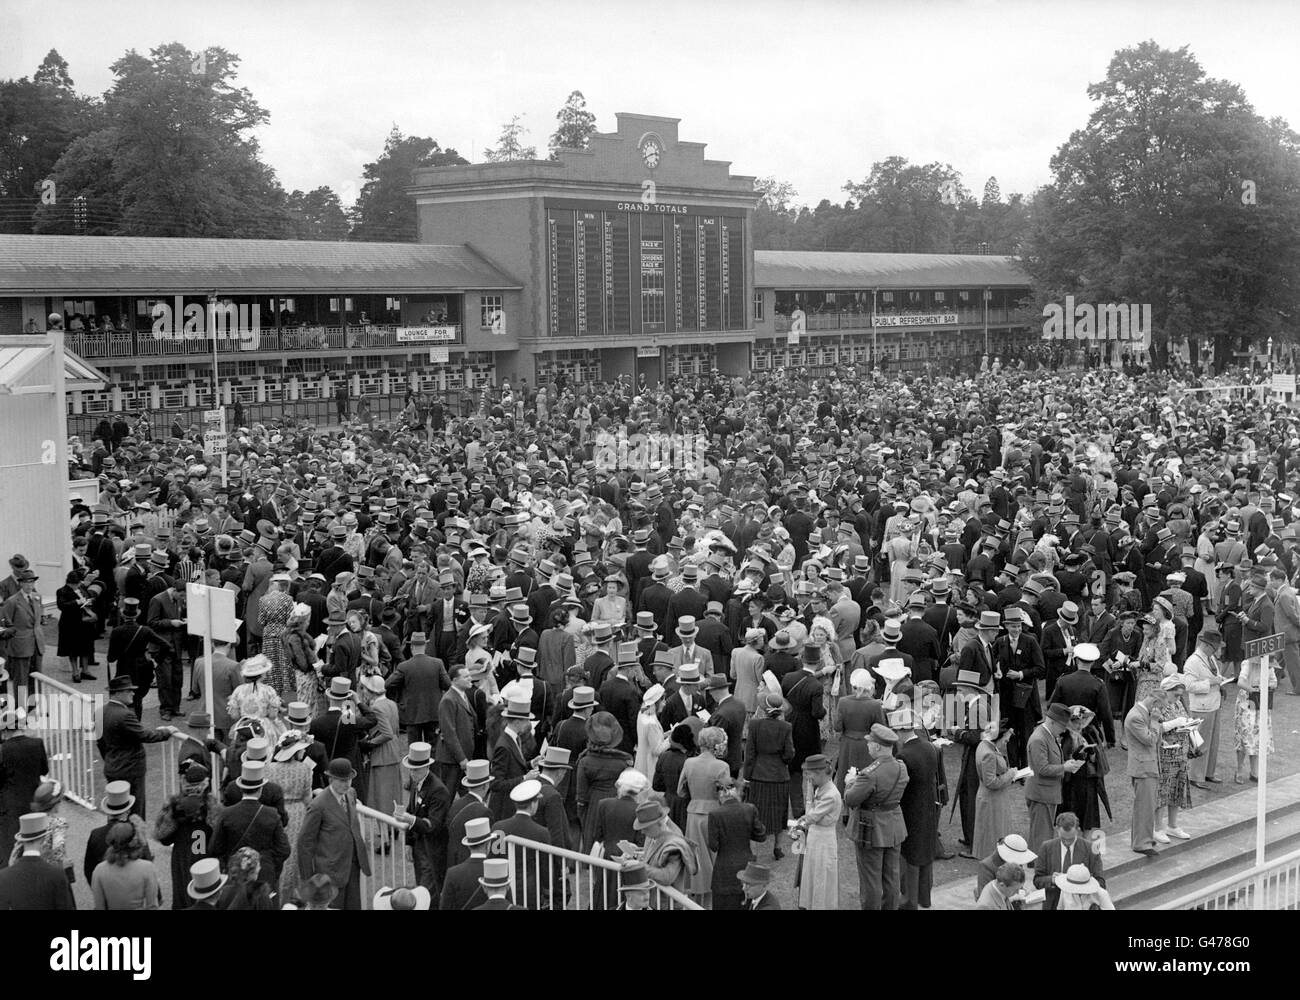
x: 559, y: 879
x: 1274, y: 885
x: 389, y: 865
x: 66, y: 720
x: 145, y: 344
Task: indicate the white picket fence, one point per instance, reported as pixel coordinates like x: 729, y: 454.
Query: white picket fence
x: 66, y: 720
x: 561, y: 879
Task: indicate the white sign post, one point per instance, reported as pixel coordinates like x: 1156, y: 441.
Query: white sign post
x: 210, y: 612
x: 215, y: 440
x: 1263, y: 648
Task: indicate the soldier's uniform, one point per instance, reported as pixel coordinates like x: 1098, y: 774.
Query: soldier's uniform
x: 877, y: 827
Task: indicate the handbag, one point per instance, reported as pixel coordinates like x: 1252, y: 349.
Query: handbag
x: 1020, y: 694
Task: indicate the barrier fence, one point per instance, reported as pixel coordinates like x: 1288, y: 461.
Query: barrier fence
x: 390, y: 867
x: 66, y: 719
x: 558, y: 879
x: 1274, y: 885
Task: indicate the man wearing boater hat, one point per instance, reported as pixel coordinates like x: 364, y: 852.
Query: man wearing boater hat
x: 425, y: 816
x: 31, y: 883
x: 470, y: 806
x: 331, y: 841
x: 249, y: 823
x: 460, y: 890
x: 122, y: 739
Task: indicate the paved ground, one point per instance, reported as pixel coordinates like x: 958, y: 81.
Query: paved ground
x: 1286, y: 761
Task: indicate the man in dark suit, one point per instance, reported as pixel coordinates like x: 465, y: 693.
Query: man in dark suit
x: 116, y: 805
x: 121, y: 745
x: 942, y: 617
x: 555, y: 772
x: 1058, y: 854
x: 32, y: 883
x: 530, y: 889
x: 21, y: 626
x: 465, y: 810
x: 331, y: 840
x: 248, y: 823
x: 23, y: 762
x: 1080, y: 686
x: 425, y: 816
x: 803, y: 691
x: 754, y: 881
x: 456, y: 727
x: 919, y: 641
x: 687, y: 602
x: 620, y: 698
x: 729, y: 715
x: 344, y: 724
x: 920, y: 806
x: 461, y: 890
x: 638, y: 563
x: 444, y: 618
x: 417, y: 685
x: 511, y: 756
x: 686, y: 700
x: 714, y: 636
x: 654, y: 598
x: 1058, y: 643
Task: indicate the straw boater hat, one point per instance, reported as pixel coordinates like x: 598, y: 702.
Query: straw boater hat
x: 1076, y: 881
x: 893, y: 669
x: 1013, y: 849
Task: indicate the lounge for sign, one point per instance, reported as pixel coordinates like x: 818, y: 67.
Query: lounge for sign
x: 407, y: 334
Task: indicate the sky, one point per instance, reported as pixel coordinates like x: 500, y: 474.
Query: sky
x: 810, y: 92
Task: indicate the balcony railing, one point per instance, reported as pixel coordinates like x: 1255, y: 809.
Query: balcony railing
x: 815, y: 322
x: 144, y: 344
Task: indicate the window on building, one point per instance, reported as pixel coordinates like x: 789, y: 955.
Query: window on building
x: 488, y: 306
x: 154, y: 373
x: 758, y: 307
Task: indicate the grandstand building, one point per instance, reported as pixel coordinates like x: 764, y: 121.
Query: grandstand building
x: 633, y: 257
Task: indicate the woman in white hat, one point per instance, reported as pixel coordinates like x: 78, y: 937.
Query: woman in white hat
x: 649, y: 731
x: 1081, y: 891
x: 479, y: 660
x: 1175, y: 791
x: 855, y: 714
x: 300, y: 656
x: 255, y: 698
x: 291, y: 769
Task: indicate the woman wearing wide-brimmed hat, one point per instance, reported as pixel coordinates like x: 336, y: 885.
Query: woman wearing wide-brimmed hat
x: 819, y: 878
x: 273, y: 611
x: 1155, y: 657
x: 292, y: 770
x: 598, y: 769
x: 649, y: 731
x: 300, y: 656
x: 1080, y: 890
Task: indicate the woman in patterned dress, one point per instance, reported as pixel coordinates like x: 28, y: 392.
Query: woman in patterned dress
x: 1175, y: 784
x: 273, y: 612
x: 300, y: 653
x: 292, y: 771
x: 255, y: 699
x: 1154, y: 659
x: 1249, y: 699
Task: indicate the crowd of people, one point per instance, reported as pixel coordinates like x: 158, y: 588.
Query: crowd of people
x: 484, y: 628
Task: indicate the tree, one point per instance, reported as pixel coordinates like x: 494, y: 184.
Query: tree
x: 510, y: 144
x: 384, y: 211
x: 39, y: 119
x: 317, y: 215
x: 992, y: 193
x: 172, y: 154
x: 577, y: 125
x: 1178, y: 195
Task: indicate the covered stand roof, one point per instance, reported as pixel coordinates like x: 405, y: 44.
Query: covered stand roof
x: 833, y: 270
x: 119, y: 265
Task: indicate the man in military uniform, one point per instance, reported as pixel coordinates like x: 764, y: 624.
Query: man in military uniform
x: 876, y: 823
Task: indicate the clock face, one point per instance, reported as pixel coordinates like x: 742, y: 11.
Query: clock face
x: 652, y: 148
